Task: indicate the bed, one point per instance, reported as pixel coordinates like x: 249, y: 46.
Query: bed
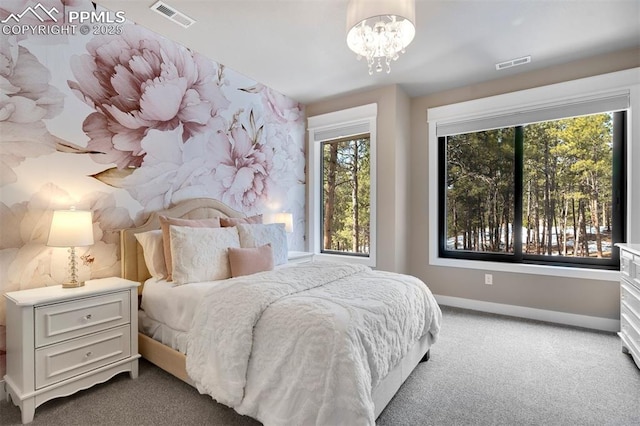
x: 295, y: 391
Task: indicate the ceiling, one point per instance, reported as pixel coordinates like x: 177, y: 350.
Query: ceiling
x: 298, y: 47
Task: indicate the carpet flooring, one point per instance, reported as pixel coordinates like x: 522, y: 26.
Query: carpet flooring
x: 484, y: 370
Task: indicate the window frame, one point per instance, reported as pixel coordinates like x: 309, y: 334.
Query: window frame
x: 619, y: 140
x: 331, y: 126
x: 514, y: 103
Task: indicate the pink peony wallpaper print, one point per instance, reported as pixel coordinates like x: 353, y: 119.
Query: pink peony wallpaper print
x: 125, y: 124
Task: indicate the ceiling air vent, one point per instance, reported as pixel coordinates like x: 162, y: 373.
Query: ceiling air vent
x: 171, y: 13
x: 513, y: 63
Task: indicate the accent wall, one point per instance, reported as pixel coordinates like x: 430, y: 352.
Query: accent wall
x: 124, y: 124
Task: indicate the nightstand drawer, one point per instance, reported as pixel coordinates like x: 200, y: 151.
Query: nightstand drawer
x: 629, y: 327
x: 299, y: 257
x: 630, y: 298
x: 64, y: 360
x: 61, y: 321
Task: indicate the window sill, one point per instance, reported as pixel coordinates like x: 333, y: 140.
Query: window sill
x: 367, y: 261
x: 554, y: 271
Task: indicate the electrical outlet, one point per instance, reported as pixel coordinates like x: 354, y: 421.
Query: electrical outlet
x: 488, y: 279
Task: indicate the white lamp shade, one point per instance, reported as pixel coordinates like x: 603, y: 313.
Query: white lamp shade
x: 359, y: 10
x: 357, y: 45
x: 286, y: 218
x: 71, y: 228
x: 380, y: 30
x: 362, y: 10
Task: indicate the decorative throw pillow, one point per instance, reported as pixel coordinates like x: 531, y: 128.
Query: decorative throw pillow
x: 233, y: 221
x: 247, y: 261
x: 201, y: 254
x: 153, y: 250
x: 166, y: 222
x: 259, y: 235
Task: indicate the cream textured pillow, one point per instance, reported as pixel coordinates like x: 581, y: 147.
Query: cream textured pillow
x: 201, y: 254
x: 165, y: 222
x: 233, y: 221
x: 151, y: 242
x: 259, y: 235
x: 247, y: 261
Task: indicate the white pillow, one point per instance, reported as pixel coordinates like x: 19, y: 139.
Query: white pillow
x: 200, y: 254
x: 259, y: 235
x: 152, y: 247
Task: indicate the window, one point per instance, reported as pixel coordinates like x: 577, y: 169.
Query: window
x: 345, y: 195
x: 527, y: 226
x: 546, y: 192
x: 342, y: 184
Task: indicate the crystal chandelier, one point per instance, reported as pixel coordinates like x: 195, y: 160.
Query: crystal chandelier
x: 380, y: 30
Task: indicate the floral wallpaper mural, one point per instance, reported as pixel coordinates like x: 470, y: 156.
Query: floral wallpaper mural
x: 125, y: 124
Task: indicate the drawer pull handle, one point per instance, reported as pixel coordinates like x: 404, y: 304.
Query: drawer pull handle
x: 87, y: 317
x: 88, y: 354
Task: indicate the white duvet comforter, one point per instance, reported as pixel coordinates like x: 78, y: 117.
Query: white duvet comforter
x: 305, y: 345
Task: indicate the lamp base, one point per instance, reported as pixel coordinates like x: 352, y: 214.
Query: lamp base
x: 73, y: 284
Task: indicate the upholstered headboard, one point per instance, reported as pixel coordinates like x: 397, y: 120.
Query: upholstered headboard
x: 133, y: 265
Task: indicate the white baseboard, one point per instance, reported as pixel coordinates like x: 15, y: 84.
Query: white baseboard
x: 596, y: 323
x: 3, y: 390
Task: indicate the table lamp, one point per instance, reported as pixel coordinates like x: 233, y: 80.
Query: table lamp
x: 71, y: 228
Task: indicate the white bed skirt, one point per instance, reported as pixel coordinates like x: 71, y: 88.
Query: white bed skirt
x: 162, y: 333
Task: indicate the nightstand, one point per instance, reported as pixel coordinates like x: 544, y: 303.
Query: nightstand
x: 60, y: 341
x: 299, y: 257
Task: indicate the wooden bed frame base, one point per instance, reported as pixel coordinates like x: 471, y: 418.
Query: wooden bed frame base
x: 165, y: 357
x: 426, y: 356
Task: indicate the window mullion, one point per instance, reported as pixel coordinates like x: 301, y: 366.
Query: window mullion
x: 518, y: 176
x: 442, y: 194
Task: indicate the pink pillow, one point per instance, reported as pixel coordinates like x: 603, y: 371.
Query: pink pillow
x: 165, y: 222
x: 247, y: 261
x: 233, y: 221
